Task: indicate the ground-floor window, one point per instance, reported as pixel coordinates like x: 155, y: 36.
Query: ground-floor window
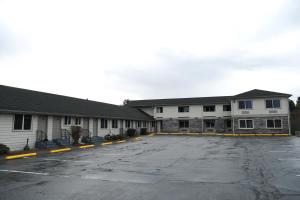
x: 22, y: 122
x: 228, y: 123
x: 184, y: 124
x: 77, y: 121
x: 144, y: 124
x: 67, y: 120
x: 103, y: 123
x: 246, y: 124
x: 127, y: 123
x: 274, y: 123
x: 209, y: 124
x: 114, y: 123
x: 152, y: 124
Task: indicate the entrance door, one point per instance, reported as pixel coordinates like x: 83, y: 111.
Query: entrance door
x: 56, y: 128
x: 42, y: 127
x: 95, y: 127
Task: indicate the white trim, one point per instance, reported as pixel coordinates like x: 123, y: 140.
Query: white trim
x: 246, y: 124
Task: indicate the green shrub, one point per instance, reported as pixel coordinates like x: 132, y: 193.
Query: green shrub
x: 75, y: 133
x: 130, y: 132
x: 3, y: 149
x: 114, y: 137
x: 143, y: 131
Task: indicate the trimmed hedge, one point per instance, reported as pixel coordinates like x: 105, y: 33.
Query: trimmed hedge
x: 143, y: 131
x: 3, y: 149
x: 130, y: 132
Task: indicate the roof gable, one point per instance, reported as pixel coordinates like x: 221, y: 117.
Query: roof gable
x: 256, y: 93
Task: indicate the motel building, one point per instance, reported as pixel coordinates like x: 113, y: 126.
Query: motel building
x: 36, y: 116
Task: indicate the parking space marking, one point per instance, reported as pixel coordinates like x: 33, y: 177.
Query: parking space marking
x: 288, y: 159
x: 298, y: 175
x: 278, y: 151
x: 64, y: 160
x: 23, y: 172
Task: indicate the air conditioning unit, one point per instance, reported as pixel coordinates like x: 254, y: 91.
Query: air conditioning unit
x: 273, y: 111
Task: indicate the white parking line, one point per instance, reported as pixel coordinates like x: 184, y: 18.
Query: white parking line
x: 63, y: 160
x: 298, y: 175
x: 288, y: 159
x: 23, y: 172
x: 278, y: 151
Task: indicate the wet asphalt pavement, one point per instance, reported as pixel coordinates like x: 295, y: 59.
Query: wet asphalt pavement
x: 161, y: 167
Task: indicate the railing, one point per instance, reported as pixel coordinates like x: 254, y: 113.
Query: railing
x: 41, y: 135
x: 66, y: 134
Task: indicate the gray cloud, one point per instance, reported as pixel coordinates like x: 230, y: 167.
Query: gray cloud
x: 288, y: 18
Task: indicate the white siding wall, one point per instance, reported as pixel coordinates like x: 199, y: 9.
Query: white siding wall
x: 195, y: 111
x: 259, y: 108
x: 150, y: 111
x: 16, y: 140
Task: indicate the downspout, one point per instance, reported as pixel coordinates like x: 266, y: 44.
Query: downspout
x: 232, y: 114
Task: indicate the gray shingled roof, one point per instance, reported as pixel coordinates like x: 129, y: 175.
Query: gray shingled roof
x: 260, y: 94
x: 181, y: 101
x: 204, y: 100
x: 22, y: 100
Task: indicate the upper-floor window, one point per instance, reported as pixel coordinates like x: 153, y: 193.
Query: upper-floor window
x: 77, y: 121
x: 226, y: 107
x: 159, y: 109
x: 184, y: 124
x: 114, y: 123
x: 246, y: 124
x: 211, y: 108
x: 183, y: 109
x: 245, y: 104
x: 67, y: 120
x: 273, y: 103
x: 103, y: 123
x: 274, y: 123
x: 22, y: 122
x: 127, y: 123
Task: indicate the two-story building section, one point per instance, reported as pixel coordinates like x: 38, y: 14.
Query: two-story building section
x: 255, y: 111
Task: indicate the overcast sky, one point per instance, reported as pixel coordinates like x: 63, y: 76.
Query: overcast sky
x: 113, y: 50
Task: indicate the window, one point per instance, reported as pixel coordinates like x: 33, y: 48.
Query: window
x: 183, y: 109
x: 246, y: 124
x: 228, y: 123
x: 152, y: 124
x: 103, y: 123
x: 114, y: 123
x: 226, y: 107
x: 138, y: 124
x: 144, y: 124
x: 274, y: 123
x: 67, y: 120
x: 77, y: 121
x: 209, y: 124
x: 127, y: 123
x: 209, y: 108
x: 22, y: 122
x: 246, y: 104
x: 273, y: 103
x: 159, y: 109
x: 184, y: 124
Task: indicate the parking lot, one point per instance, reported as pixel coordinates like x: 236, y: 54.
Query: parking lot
x: 161, y: 167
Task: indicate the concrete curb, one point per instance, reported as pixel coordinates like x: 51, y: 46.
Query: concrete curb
x: 64, y: 149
